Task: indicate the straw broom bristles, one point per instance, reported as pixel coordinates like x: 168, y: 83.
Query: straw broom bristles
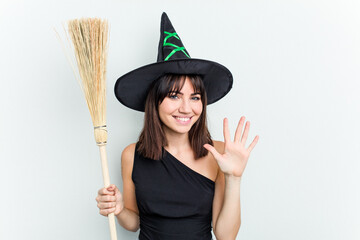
x: 90, y: 40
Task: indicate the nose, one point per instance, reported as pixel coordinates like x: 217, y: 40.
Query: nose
x: 185, y: 106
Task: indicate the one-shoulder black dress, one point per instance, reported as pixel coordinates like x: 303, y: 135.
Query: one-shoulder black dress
x: 174, y: 201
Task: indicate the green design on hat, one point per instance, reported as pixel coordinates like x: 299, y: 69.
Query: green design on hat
x: 177, y: 48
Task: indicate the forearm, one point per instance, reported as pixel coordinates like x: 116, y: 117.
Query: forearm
x: 229, y: 220
x: 128, y: 220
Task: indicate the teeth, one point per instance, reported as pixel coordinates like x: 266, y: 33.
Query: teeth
x: 182, y: 119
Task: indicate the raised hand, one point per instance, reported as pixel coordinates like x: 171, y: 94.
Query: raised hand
x: 236, y: 155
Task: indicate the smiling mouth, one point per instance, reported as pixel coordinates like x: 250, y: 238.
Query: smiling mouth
x: 182, y: 119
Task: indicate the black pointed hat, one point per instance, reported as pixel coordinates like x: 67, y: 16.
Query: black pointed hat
x: 131, y: 89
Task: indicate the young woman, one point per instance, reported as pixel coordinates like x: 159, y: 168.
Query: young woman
x: 178, y: 183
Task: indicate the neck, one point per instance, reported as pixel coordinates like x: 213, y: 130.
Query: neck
x: 176, y: 142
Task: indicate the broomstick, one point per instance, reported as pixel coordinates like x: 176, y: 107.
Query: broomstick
x: 90, y: 41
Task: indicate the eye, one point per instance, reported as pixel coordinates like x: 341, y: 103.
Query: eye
x: 173, y: 96
x: 196, y: 98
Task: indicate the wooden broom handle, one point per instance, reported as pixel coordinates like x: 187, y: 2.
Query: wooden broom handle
x: 106, y: 178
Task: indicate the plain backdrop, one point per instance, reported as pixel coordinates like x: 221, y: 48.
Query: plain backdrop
x: 296, y: 68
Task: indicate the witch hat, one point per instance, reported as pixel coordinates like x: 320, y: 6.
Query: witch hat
x: 131, y: 89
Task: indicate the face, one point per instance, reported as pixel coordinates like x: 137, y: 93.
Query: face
x: 179, y: 111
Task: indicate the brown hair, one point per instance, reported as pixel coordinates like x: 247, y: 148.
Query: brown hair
x: 152, y: 137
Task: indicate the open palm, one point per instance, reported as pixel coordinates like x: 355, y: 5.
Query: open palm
x: 236, y: 155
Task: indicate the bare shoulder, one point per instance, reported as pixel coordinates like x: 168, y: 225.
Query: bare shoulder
x: 127, y: 158
x: 128, y: 152
x: 219, y: 146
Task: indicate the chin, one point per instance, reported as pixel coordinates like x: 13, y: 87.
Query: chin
x: 182, y: 130
x: 179, y: 129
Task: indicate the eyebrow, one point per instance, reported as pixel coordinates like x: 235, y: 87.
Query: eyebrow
x: 177, y: 92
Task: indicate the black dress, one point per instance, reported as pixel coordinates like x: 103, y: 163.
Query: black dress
x: 174, y: 201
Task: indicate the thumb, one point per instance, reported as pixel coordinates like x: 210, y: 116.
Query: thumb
x: 111, y: 187
x: 213, y: 151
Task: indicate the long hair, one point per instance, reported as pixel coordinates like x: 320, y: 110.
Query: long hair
x: 152, y: 137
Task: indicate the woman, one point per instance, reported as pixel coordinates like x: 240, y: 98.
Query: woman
x: 177, y: 181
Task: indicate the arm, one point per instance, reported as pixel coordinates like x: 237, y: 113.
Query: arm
x: 128, y: 220
x: 129, y: 216
x: 232, y: 157
x: 226, y: 204
x: 229, y: 219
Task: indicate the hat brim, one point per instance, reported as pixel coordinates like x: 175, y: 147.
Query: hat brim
x: 131, y: 89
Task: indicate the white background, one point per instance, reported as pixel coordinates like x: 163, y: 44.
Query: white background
x: 296, y: 79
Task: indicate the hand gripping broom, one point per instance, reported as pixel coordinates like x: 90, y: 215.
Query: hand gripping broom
x: 90, y: 41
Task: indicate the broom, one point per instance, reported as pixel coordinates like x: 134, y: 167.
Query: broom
x: 90, y: 41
